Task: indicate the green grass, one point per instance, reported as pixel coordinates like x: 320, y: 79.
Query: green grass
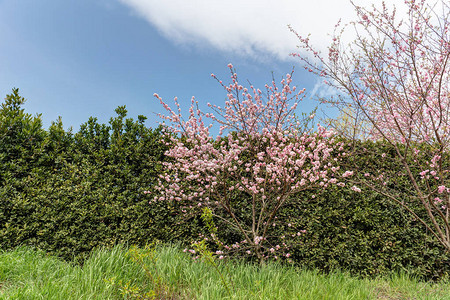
x: 172, y: 274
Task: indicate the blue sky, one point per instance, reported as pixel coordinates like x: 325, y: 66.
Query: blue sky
x: 77, y: 59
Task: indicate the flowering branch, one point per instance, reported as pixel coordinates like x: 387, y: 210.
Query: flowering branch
x: 397, y: 74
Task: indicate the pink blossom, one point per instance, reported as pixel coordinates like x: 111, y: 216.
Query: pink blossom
x: 423, y: 173
x: 441, y: 189
x: 356, y: 189
x: 347, y: 174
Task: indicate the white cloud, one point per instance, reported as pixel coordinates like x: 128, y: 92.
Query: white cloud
x: 323, y: 90
x: 249, y: 27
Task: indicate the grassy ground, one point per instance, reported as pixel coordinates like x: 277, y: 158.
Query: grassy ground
x: 165, y: 272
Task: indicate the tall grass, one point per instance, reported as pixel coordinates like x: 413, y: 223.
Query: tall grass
x: 115, y: 274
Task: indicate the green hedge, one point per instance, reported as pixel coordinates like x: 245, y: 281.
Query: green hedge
x: 365, y: 234
x: 68, y: 193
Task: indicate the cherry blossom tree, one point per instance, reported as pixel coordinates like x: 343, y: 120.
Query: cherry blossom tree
x: 396, y: 72
x: 262, y: 156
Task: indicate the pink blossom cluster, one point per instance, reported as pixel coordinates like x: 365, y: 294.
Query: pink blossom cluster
x: 263, y: 155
